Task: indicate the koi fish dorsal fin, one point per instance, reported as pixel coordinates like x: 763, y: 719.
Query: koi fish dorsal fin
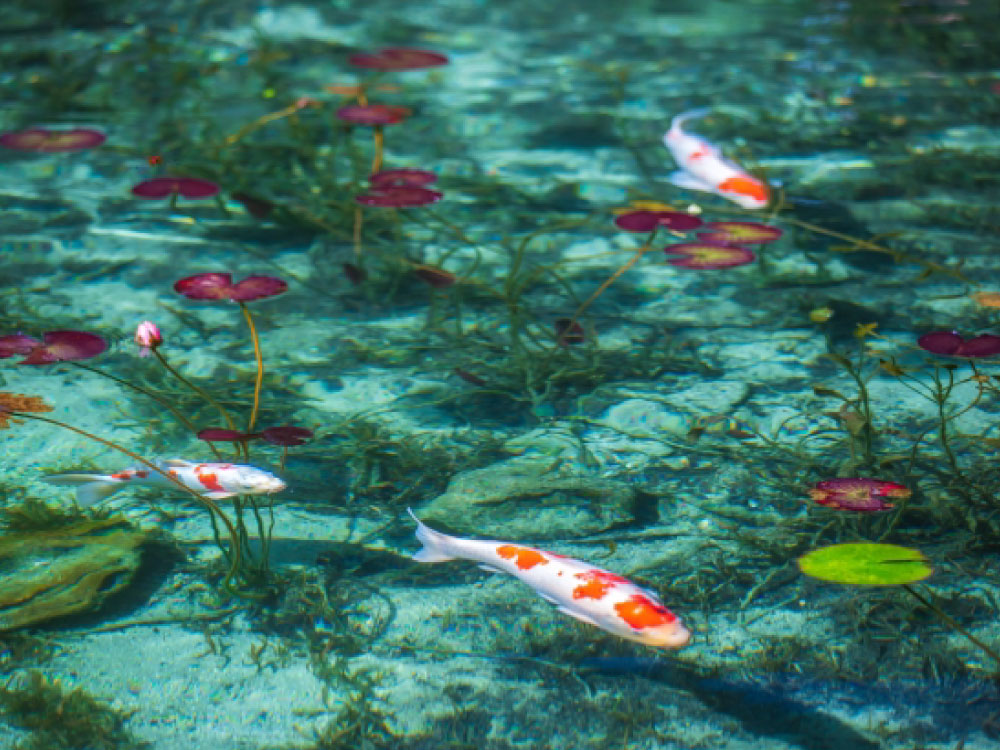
x: 90, y: 488
x: 176, y: 462
x: 435, y: 543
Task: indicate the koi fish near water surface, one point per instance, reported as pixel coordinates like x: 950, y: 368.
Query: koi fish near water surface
x: 576, y: 588
x: 703, y: 167
x: 215, y: 481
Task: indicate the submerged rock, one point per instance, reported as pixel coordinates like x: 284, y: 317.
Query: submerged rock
x: 47, y: 574
x: 527, y: 500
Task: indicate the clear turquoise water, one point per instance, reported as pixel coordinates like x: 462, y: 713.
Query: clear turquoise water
x: 676, y: 445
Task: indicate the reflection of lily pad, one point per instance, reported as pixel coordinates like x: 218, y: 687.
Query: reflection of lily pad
x: 866, y: 564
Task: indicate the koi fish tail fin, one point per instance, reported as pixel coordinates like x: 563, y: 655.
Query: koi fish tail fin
x: 677, y: 123
x: 436, y: 544
x: 90, y: 488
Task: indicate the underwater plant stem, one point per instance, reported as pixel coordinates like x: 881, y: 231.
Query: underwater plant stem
x: 260, y: 366
x: 379, y: 145
x: 204, y: 394
x: 950, y: 622
x: 941, y: 397
x: 357, y: 231
x: 138, y: 388
x: 600, y: 290
x: 212, y: 508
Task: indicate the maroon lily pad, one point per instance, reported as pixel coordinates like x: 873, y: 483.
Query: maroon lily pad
x: 187, y: 187
x: 65, y: 346
x: 398, y: 58
x: 435, y: 277
x: 286, y: 435
x: 706, y: 256
x: 951, y: 344
x: 740, y: 232
x: 221, y: 286
x: 17, y: 343
x: 222, y: 435
x: 389, y: 178
x: 48, y: 141
x: 399, y: 197
x: 373, y: 114
x: 858, y: 494
x: 647, y: 221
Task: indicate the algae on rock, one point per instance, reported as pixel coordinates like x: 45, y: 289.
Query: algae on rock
x: 47, y: 574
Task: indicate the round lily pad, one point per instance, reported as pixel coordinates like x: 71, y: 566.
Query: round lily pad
x: 866, y: 564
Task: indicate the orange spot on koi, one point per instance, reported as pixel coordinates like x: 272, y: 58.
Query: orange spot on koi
x: 745, y: 186
x: 524, y: 558
x: 209, y: 481
x: 642, y: 612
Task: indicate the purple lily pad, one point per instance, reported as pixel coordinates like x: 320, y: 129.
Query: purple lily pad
x: 221, y: 286
x: 186, y: 187
x: 949, y: 343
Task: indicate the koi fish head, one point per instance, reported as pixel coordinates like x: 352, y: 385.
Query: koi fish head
x: 248, y: 480
x: 745, y: 191
x: 674, y: 635
x: 651, y: 623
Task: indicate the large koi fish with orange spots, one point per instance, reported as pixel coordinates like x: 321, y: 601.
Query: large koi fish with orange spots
x: 576, y: 588
x: 215, y: 481
x: 703, y: 167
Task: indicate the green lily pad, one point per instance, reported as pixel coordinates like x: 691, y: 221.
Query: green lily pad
x: 866, y: 564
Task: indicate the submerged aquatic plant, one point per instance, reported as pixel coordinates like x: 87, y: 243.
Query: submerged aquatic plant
x: 950, y: 344
x: 879, y: 564
x: 56, y: 346
x: 171, y: 187
x: 858, y: 494
x: 398, y: 58
x: 60, y: 718
x: 708, y: 256
x: 866, y: 564
x: 48, y: 141
x: 219, y: 286
x: 377, y: 116
x: 740, y: 233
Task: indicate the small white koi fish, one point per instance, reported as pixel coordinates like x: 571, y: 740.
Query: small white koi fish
x: 214, y: 480
x: 703, y: 167
x: 578, y: 589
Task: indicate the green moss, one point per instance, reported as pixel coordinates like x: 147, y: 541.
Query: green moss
x: 63, y: 719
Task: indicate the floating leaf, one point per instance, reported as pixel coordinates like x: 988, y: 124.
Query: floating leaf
x: 866, y: 564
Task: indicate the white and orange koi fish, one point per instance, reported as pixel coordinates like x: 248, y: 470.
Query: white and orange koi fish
x: 703, y: 167
x: 215, y: 481
x: 578, y: 589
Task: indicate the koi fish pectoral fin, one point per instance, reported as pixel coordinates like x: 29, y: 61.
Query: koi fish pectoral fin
x: 219, y: 495
x: 682, y: 179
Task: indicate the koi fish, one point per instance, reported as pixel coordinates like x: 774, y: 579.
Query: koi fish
x: 578, y: 589
x: 215, y: 481
x: 703, y: 167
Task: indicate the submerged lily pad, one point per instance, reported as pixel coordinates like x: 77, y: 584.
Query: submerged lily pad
x: 866, y: 564
x: 47, y: 574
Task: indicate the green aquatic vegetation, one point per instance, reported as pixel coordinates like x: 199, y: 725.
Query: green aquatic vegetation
x: 60, y: 718
x: 32, y: 514
x: 876, y: 564
x: 864, y: 563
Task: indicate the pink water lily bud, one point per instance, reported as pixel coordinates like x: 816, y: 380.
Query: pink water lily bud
x: 148, y: 337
